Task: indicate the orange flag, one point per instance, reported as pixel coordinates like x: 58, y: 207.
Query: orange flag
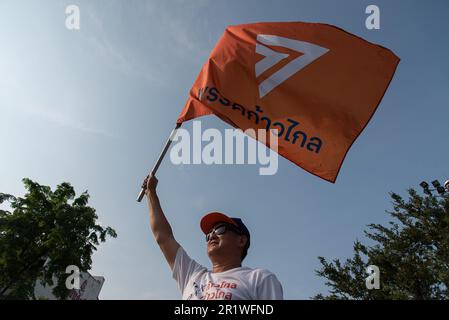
x: 317, y: 84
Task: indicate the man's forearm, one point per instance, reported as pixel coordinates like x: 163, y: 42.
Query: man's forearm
x: 158, y: 222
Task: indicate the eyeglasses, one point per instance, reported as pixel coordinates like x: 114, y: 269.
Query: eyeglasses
x: 221, y: 230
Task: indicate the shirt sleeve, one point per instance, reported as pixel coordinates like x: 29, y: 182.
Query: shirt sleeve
x: 184, y: 268
x: 270, y: 289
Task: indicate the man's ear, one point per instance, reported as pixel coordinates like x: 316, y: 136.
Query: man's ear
x: 243, y: 240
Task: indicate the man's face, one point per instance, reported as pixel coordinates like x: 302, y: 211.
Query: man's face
x: 227, y: 243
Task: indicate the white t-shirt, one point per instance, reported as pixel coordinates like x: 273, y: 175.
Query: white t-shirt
x: 242, y: 283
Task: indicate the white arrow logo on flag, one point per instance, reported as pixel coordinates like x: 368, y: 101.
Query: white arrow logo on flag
x: 310, y: 52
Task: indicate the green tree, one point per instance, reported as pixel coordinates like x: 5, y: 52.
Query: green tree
x: 412, y: 253
x: 46, y: 232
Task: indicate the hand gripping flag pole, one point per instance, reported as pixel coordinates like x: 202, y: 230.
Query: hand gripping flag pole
x: 158, y: 162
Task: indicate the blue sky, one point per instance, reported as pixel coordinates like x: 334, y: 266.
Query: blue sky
x: 94, y: 107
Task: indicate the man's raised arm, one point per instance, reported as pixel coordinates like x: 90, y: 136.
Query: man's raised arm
x: 159, y: 225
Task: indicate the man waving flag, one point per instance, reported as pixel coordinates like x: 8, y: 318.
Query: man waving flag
x: 315, y: 83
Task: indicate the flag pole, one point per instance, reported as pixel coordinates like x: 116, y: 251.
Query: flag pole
x: 158, y: 162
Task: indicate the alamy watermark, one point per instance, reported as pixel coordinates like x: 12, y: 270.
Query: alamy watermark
x: 72, y: 20
x: 372, y: 22
x: 73, y: 280
x: 227, y: 149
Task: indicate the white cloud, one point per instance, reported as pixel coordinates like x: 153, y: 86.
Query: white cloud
x: 199, y: 202
x: 22, y: 93
x: 99, y: 39
x: 17, y: 101
x: 65, y: 120
x: 179, y: 23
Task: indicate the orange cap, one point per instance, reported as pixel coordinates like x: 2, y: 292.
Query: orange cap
x: 212, y: 218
